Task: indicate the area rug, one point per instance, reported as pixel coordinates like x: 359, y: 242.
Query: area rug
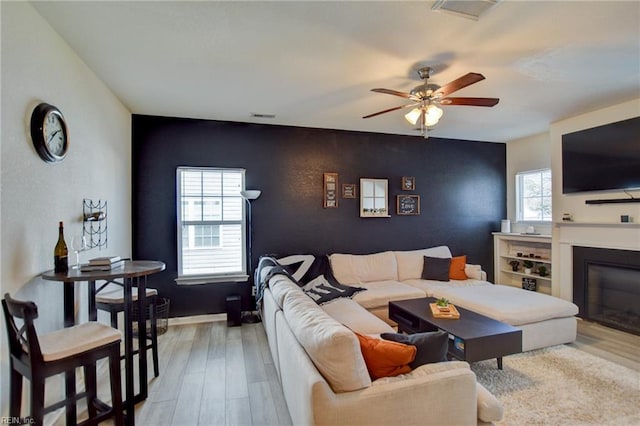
x: 561, y: 385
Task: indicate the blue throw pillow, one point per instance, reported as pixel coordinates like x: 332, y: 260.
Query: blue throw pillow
x: 436, y: 268
x: 431, y: 346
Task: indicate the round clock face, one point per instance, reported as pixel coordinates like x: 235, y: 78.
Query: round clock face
x: 49, y: 133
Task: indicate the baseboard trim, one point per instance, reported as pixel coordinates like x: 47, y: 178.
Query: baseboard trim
x: 196, y: 319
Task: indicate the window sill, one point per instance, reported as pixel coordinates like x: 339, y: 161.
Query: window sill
x: 210, y: 279
x: 534, y: 222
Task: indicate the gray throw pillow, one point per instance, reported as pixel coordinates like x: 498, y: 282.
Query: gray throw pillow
x: 436, y: 268
x: 431, y: 346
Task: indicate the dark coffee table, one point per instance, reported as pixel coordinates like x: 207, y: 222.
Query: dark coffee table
x: 475, y: 337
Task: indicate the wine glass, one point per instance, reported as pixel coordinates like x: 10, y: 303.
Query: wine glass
x: 78, y: 244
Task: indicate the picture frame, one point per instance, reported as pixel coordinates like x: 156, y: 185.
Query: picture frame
x: 408, y: 183
x: 408, y: 205
x: 330, y: 190
x: 529, y: 284
x: 348, y: 190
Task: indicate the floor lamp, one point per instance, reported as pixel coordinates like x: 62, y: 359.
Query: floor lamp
x: 249, y: 195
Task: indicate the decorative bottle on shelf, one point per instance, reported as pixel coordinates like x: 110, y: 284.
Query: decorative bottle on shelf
x: 61, y: 253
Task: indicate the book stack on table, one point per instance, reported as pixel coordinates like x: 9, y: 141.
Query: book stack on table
x: 106, y: 263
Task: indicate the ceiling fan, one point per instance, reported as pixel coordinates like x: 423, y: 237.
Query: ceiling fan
x: 427, y: 98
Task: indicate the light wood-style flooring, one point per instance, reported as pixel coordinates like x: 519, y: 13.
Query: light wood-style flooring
x: 609, y: 343
x: 211, y: 374
x: 215, y: 375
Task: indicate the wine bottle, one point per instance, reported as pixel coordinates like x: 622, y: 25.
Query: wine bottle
x: 61, y: 253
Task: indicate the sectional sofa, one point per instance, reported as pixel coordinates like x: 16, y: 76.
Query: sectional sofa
x: 324, y: 376
x: 318, y: 358
x: 396, y: 275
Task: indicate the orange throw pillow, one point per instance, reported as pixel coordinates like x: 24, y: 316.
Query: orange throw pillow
x: 456, y: 269
x: 385, y: 358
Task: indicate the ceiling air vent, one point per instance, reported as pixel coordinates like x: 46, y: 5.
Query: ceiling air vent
x: 470, y: 9
x: 262, y: 115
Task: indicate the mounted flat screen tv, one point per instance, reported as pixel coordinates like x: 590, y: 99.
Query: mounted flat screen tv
x: 602, y: 158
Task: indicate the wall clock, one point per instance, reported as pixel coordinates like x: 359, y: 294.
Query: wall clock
x: 49, y: 133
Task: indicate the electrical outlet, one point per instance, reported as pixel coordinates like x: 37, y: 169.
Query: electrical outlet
x: 253, y: 290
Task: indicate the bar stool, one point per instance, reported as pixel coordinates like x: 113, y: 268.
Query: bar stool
x: 111, y: 299
x: 38, y: 357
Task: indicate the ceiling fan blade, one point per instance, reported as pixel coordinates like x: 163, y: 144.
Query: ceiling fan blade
x: 396, y: 93
x: 391, y: 109
x: 484, y: 102
x: 462, y: 82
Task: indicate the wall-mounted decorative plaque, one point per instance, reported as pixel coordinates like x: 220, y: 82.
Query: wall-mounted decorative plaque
x: 408, y: 205
x: 330, y: 190
x: 408, y: 183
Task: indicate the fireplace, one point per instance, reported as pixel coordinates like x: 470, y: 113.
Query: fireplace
x: 606, y: 286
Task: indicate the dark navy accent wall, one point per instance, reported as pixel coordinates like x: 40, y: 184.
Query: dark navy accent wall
x: 461, y: 184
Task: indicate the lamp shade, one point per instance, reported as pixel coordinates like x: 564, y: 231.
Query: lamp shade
x: 250, y: 194
x: 432, y: 115
x: 413, y: 116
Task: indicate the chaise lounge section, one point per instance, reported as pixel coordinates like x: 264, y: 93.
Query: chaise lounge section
x: 396, y: 275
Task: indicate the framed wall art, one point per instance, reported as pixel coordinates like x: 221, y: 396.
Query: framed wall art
x: 408, y: 183
x: 407, y: 205
x: 330, y: 190
x: 374, y: 198
x: 348, y: 190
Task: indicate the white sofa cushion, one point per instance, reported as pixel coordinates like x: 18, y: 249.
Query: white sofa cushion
x: 359, y: 269
x: 382, y: 292
x: 430, y: 287
x: 333, y: 348
x: 281, y: 286
x: 349, y: 313
x: 410, y: 263
x: 508, y: 304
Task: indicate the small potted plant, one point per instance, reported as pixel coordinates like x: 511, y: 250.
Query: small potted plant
x: 442, y: 303
x: 515, y: 265
x: 542, y: 271
x: 527, y: 266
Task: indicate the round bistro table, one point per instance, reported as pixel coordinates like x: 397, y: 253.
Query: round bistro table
x: 133, y: 274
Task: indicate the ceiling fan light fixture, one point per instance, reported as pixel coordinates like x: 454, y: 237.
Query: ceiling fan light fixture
x: 432, y: 115
x: 413, y: 116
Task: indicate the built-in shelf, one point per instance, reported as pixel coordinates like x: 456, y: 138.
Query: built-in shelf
x: 522, y: 274
x: 507, y: 246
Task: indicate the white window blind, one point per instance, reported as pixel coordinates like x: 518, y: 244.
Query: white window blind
x: 211, y: 225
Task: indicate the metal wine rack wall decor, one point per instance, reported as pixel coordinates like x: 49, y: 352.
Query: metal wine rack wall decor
x: 94, y: 223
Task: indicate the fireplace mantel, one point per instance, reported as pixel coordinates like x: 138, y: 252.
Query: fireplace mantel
x: 624, y: 236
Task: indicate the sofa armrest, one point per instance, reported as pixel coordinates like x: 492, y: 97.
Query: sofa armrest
x: 489, y: 407
x: 434, y: 391
x: 475, y: 272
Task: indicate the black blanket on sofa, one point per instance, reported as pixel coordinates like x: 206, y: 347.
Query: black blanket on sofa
x: 312, y: 273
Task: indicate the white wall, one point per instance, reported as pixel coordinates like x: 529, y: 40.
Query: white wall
x: 38, y: 66
x: 530, y: 153
x: 574, y: 203
x: 594, y: 225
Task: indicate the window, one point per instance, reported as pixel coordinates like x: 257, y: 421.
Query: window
x: 211, y: 225
x: 533, y: 196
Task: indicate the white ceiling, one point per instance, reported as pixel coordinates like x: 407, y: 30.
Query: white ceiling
x: 312, y: 64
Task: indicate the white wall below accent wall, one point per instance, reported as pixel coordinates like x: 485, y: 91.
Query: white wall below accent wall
x: 530, y: 153
x: 38, y: 66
